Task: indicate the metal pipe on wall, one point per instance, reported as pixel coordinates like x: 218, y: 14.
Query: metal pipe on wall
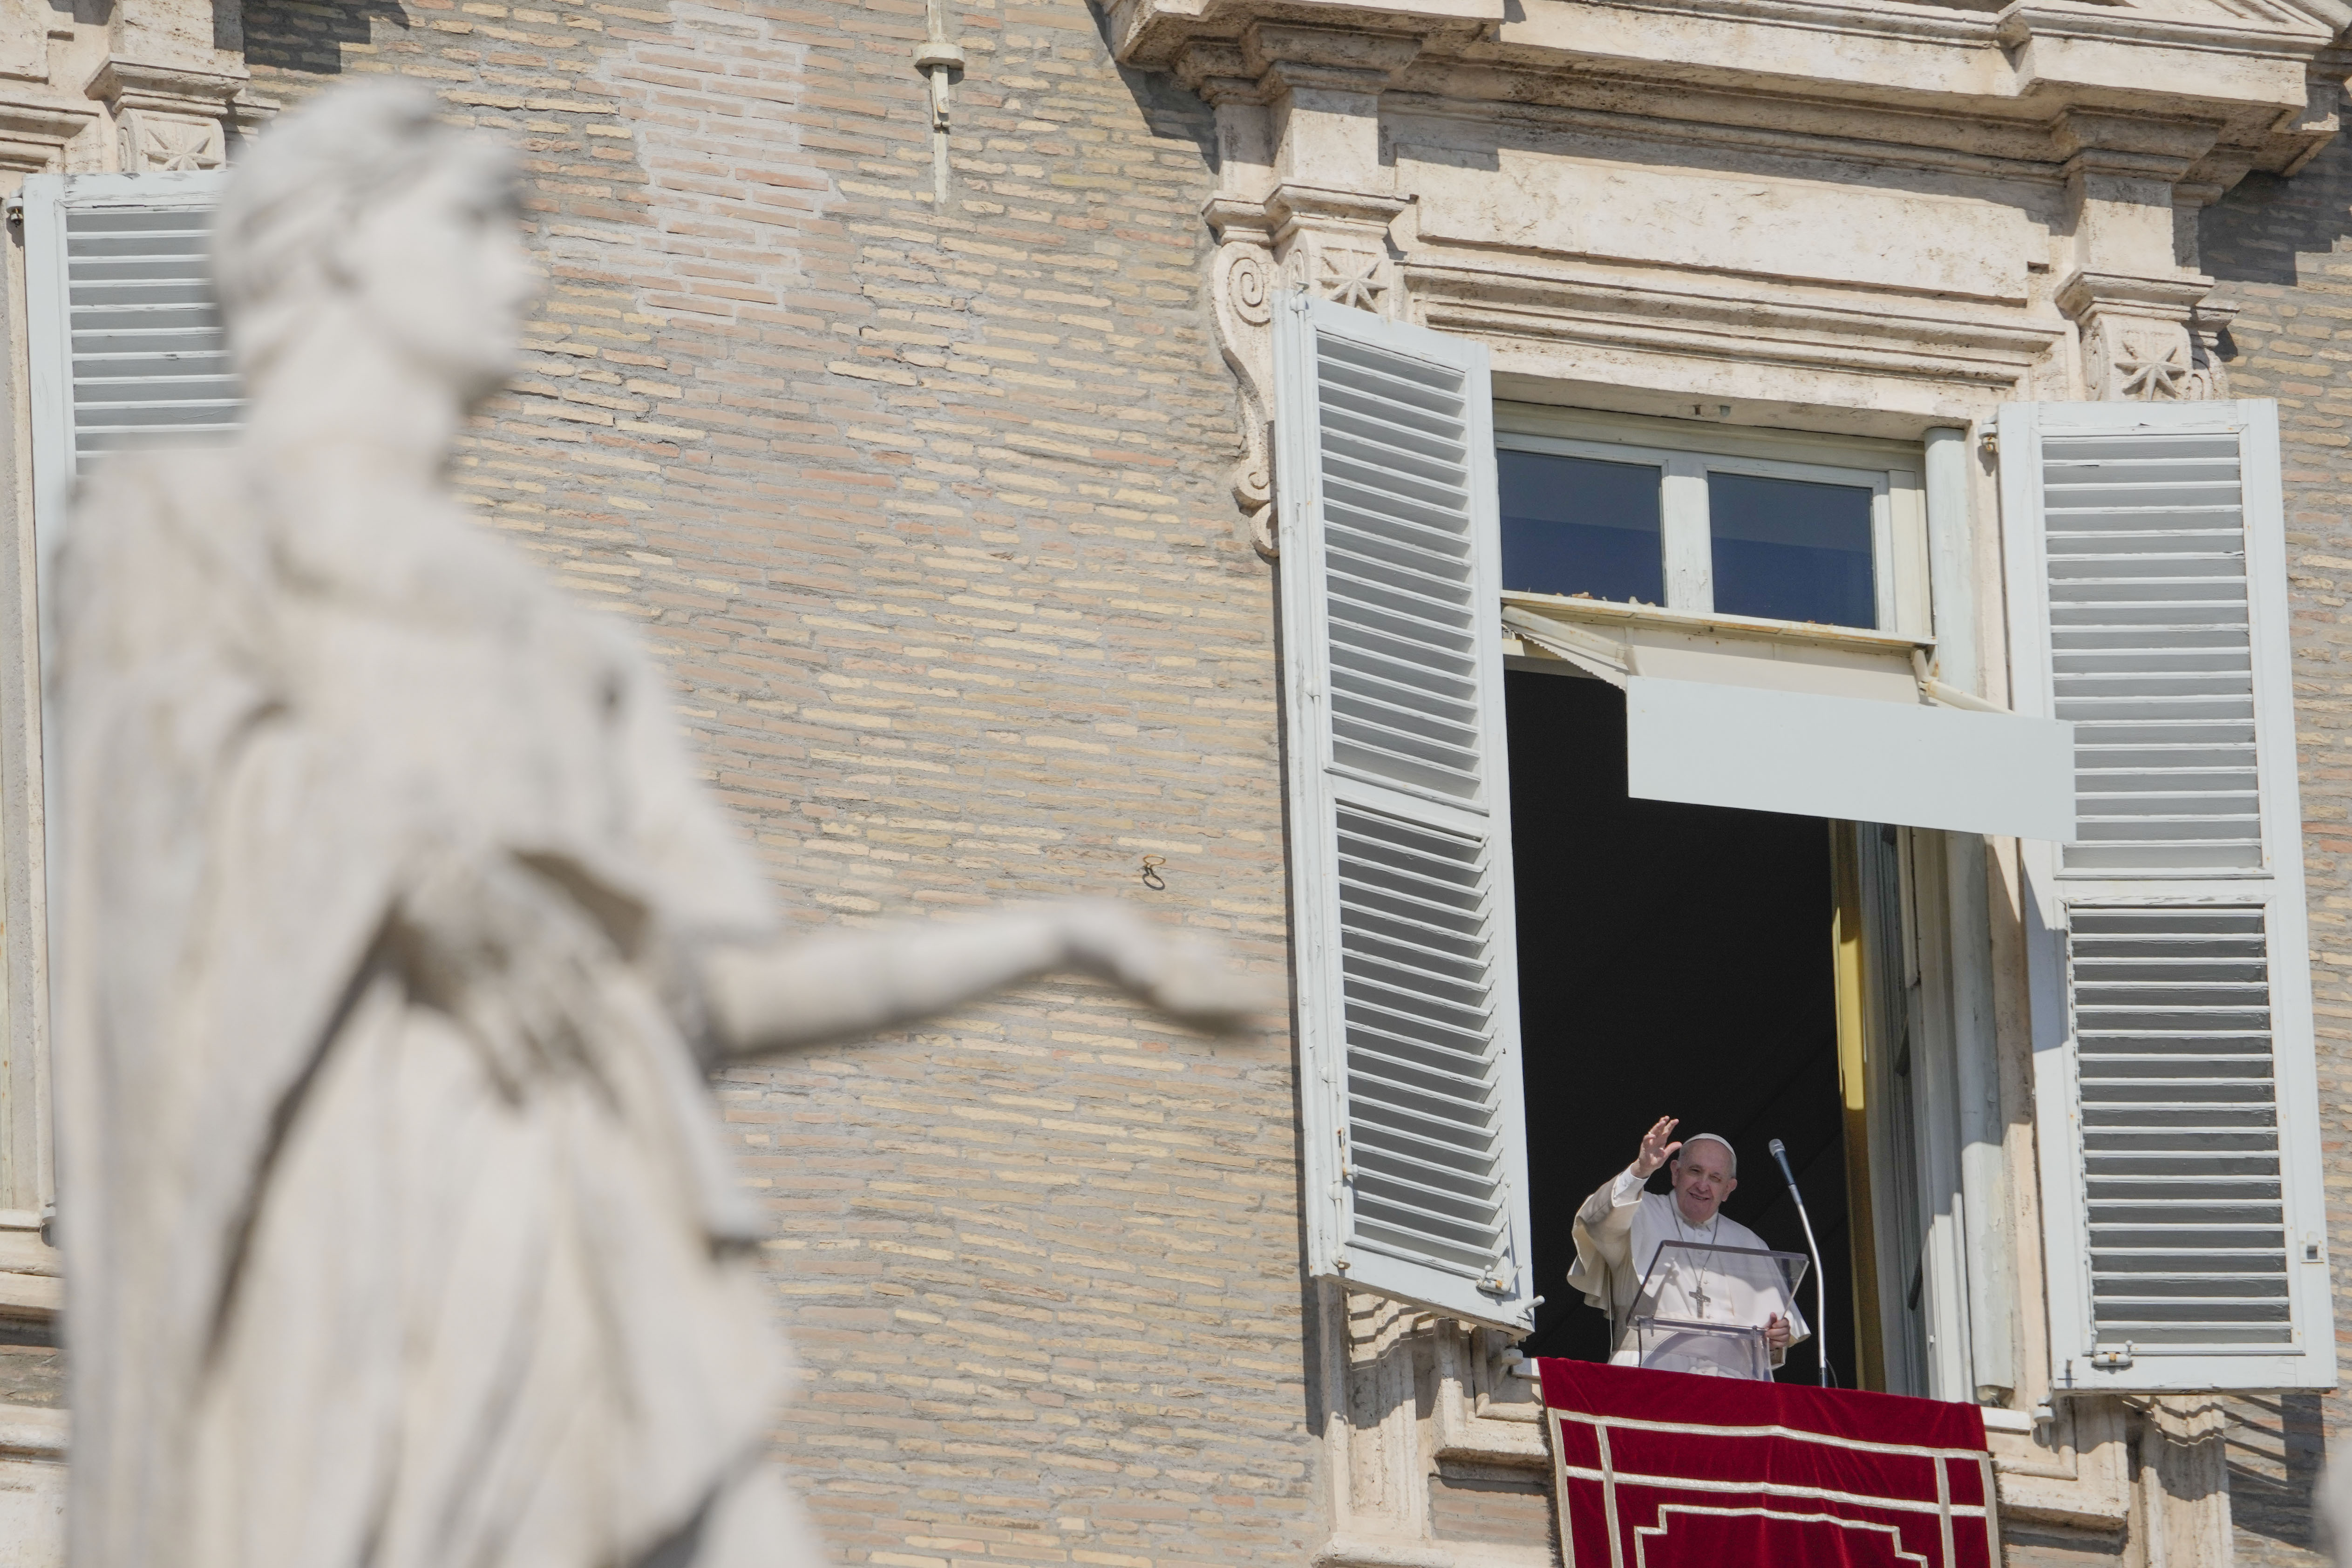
x: 1991, y: 1283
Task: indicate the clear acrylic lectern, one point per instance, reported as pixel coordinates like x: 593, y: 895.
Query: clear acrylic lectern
x: 1702, y: 1307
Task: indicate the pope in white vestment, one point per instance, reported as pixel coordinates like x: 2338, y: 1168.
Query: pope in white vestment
x: 1621, y: 1229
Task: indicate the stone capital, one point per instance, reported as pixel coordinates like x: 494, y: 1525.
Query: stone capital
x: 2143, y: 338
x: 168, y: 116
x: 1291, y: 207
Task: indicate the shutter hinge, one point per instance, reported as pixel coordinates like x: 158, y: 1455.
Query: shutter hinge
x: 14, y: 208
x: 2113, y: 1360
x: 1346, y: 1170
x: 1990, y: 442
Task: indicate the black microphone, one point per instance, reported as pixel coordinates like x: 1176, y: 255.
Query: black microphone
x: 1821, y: 1281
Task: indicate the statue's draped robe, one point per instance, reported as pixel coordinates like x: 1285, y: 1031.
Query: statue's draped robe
x: 397, y: 1220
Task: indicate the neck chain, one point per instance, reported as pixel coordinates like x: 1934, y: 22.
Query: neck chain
x: 1705, y: 1233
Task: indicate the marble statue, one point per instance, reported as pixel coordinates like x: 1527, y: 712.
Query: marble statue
x: 397, y: 935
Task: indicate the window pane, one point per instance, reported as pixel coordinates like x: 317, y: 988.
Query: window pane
x: 1574, y: 525
x: 1791, y: 550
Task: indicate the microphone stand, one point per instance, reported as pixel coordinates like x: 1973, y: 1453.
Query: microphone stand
x: 1820, y: 1281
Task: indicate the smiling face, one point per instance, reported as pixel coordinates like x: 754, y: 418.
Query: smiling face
x: 1703, y: 1179
x: 441, y: 274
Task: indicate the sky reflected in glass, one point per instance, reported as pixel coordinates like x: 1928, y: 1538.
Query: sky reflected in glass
x: 1791, y: 550
x: 1573, y: 524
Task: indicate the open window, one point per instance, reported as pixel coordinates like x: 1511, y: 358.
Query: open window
x: 1398, y: 617
x: 2185, y: 1223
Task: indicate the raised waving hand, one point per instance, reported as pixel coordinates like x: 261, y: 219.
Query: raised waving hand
x: 1655, y: 1150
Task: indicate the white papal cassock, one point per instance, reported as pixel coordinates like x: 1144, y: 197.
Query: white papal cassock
x: 1618, y: 1233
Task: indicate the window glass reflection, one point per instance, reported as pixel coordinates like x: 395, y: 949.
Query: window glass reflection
x: 1571, y: 525
x: 1792, y: 550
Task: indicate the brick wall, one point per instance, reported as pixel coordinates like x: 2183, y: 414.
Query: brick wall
x: 2283, y: 250
x: 926, y: 511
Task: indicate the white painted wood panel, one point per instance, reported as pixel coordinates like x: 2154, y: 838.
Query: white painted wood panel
x: 1861, y: 760
x: 1400, y: 860
x: 2176, y: 1093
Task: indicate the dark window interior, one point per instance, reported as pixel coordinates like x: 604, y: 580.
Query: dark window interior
x: 1674, y: 960
x: 1791, y: 550
x: 1574, y: 525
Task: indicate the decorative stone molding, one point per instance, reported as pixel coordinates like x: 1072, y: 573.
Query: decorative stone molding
x: 1403, y: 1390
x: 2181, y: 1466
x: 35, y: 136
x: 1242, y: 287
x: 2206, y: 324
x: 1485, y: 1413
x: 2137, y: 343
x: 1335, y: 245
x: 167, y: 117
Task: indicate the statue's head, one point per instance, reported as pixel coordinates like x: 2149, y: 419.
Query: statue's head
x: 361, y: 211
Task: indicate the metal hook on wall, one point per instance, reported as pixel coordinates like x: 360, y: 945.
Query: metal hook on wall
x: 940, y: 59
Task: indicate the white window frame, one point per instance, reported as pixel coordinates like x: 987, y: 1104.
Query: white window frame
x: 1686, y: 453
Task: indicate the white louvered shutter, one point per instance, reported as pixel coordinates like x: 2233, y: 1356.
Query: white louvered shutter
x: 125, y: 340
x: 2172, y: 1024
x: 1399, y: 830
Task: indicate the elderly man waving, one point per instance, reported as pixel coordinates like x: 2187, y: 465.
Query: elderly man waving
x: 1620, y: 1229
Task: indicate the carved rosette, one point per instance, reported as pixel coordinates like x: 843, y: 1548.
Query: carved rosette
x: 170, y: 117
x: 152, y: 140
x: 1335, y: 245
x: 2147, y: 340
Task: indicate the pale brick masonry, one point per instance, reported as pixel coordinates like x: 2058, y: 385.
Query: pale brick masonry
x: 2283, y: 252
x: 927, y: 511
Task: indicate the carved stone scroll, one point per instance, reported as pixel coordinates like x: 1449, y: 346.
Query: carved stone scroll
x: 1241, y: 297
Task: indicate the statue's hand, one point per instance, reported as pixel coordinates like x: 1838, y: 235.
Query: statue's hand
x: 1193, y: 978
x: 501, y: 949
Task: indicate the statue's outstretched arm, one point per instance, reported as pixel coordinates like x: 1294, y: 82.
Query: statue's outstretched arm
x: 821, y: 988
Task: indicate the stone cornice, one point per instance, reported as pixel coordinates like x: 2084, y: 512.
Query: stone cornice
x: 136, y: 84
x: 2258, y: 89
x: 2086, y: 292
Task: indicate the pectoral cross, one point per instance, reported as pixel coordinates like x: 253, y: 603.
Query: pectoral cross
x: 1698, y: 1294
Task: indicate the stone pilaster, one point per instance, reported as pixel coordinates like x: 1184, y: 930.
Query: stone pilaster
x: 2182, y: 1478
x: 2132, y: 188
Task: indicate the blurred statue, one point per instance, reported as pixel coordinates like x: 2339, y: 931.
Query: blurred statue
x: 396, y: 937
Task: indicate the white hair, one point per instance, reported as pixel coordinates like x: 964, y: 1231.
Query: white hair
x: 1728, y: 1152
x: 306, y: 183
